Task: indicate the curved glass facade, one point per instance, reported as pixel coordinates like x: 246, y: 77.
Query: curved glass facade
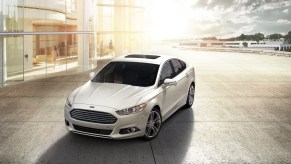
x: 59, y: 37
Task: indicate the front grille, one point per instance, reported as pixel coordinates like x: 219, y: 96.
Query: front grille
x: 93, y: 116
x: 92, y: 130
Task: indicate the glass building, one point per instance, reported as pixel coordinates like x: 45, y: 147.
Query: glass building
x: 44, y: 38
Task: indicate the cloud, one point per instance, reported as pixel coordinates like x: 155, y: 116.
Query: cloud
x: 238, y: 5
x: 286, y: 11
x: 244, y: 19
x: 283, y: 21
x: 247, y: 29
x: 244, y: 16
x: 275, y: 5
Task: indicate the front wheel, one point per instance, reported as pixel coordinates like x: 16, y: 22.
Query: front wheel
x: 153, y: 125
x: 190, y: 96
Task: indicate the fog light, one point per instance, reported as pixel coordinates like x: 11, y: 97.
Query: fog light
x: 67, y: 122
x: 128, y: 130
x: 131, y: 130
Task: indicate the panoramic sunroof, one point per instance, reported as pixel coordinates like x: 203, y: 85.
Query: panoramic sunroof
x: 142, y: 56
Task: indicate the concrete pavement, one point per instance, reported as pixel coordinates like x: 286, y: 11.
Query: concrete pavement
x: 241, y: 113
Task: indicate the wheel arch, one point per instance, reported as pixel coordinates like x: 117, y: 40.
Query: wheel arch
x: 159, y: 109
x: 193, y: 82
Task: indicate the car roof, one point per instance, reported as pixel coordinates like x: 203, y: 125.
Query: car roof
x: 143, y: 58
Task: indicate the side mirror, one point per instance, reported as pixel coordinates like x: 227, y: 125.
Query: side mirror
x: 168, y: 82
x: 91, y: 75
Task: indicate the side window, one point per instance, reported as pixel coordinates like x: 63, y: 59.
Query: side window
x: 183, y: 65
x: 167, y: 72
x: 177, y: 66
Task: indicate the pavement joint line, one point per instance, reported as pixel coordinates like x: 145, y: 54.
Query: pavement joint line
x: 203, y: 97
x: 173, y: 122
x: 267, y: 81
x: 31, y: 121
x: 8, y: 97
x: 152, y: 152
x: 58, y: 81
x: 230, y: 121
x: 245, y: 69
x: 239, y: 97
x: 253, y: 72
x: 235, y: 121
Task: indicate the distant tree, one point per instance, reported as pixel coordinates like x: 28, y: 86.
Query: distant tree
x: 245, y: 44
x: 275, y: 36
x: 258, y: 36
x: 241, y: 37
x: 288, y: 37
x: 209, y: 38
x: 227, y: 39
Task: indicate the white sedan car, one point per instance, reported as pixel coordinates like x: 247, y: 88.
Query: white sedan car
x: 130, y: 97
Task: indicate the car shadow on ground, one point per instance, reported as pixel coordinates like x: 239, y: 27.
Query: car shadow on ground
x: 174, y: 136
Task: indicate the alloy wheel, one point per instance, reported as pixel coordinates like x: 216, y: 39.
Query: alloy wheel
x: 153, y: 124
x: 191, y: 95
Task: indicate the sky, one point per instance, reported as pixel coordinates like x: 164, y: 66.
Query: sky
x: 220, y: 18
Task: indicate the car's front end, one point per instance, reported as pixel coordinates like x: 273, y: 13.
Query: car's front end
x: 106, y: 122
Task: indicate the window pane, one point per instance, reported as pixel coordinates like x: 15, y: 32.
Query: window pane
x: 177, y: 66
x: 183, y: 64
x: 167, y: 72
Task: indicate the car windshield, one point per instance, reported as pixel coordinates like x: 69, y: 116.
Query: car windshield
x: 130, y: 73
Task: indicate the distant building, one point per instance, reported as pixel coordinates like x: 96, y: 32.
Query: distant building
x: 265, y: 44
x: 239, y: 44
x: 203, y: 43
x: 272, y: 45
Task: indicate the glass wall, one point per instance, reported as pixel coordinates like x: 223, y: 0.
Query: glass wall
x: 120, y: 26
x: 58, y: 37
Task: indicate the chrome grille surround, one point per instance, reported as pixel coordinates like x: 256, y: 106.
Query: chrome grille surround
x: 93, y: 116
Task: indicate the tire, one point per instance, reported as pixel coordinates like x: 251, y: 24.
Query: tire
x: 190, y: 96
x: 154, y: 124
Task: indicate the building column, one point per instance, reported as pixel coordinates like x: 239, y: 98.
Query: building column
x: 119, y: 25
x: 2, y: 69
x: 28, y: 45
x: 1, y: 59
x: 83, y: 39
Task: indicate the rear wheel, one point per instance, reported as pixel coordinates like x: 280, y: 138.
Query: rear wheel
x: 190, y: 96
x: 153, y: 125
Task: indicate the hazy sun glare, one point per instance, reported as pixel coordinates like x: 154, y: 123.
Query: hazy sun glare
x: 169, y: 19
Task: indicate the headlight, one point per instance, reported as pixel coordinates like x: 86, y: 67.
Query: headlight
x: 71, y: 98
x: 132, y: 110
x: 68, y: 103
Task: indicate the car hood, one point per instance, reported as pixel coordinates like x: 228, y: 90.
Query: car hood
x: 118, y: 96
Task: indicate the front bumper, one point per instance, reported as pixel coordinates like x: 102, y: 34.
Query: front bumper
x: 112, y: 131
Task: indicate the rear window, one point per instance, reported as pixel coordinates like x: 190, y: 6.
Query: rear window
x: 142, y: 56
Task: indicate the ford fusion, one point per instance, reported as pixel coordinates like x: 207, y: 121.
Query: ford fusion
x: 130, y: 97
